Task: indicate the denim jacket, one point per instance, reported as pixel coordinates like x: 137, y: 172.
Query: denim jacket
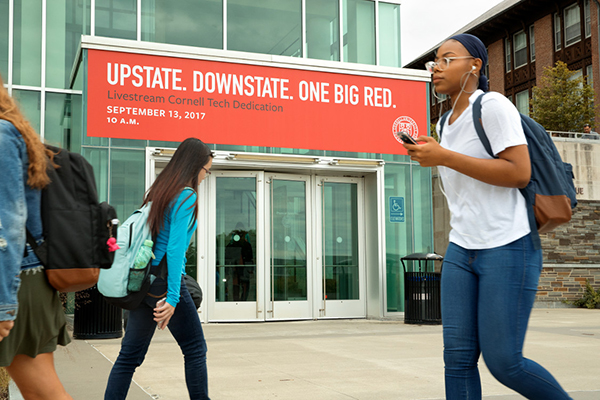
x: 19, y: 208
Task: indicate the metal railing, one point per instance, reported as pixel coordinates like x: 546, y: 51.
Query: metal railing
x: 571, y: 135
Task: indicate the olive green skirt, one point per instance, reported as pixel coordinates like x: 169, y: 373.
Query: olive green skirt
x: 40, y: 325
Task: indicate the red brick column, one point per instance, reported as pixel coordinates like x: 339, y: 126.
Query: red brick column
x: 544, y: 45
x: 497, y: 65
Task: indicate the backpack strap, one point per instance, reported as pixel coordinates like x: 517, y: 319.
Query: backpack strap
x: 479, y: 126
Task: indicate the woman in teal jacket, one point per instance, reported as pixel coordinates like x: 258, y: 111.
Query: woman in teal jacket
x: 172, y: 220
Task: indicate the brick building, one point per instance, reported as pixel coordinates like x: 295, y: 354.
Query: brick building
x: 523, y: 37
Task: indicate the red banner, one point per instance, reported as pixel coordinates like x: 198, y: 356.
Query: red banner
x: 133, y: 96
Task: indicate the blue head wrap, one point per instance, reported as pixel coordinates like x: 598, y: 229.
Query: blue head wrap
x: 476, y: 48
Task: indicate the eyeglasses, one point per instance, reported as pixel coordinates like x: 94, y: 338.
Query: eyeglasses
x: 442, y: 63
x: 207, y: 171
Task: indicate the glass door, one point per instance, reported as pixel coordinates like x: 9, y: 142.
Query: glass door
x: 234, y: 253
x: 341, y: 237
x: 288, y: 270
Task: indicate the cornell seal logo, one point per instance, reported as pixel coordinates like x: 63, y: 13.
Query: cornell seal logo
x: 406, y: 124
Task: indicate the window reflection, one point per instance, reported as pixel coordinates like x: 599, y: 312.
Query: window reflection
x: 389, y: 35
x: 288, y: 238
x: 236, y: 239
x: 262, y: 26
x: 340, y: 231
x: 29, y: 103
x: 116, y: 18
x: 359, y: 31
x: 184, y: 22
x: 64, y: 29
x: 4, y: 40
x: 323, y: 29
x: 27, y: 42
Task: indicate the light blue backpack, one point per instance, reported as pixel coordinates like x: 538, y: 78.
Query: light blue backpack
x: 113, y: 281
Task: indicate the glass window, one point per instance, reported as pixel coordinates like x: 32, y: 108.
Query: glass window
x: 532, y: 43
x: 359, y: 31
x: 134, y: 143
x: 572, y: 25
x: 236, y: 222
x: 87, y: 17
x: 27, y: 51
x: 99, y: 160
x: 486, y: 69
x: 76, y: 122
x: 389, y: 35
x: 127, y: 180
x: 29, y: 103
x: 186, y: 22
x: 422, y: 210
x: 116, y: 18
x: 520, y: 48
x: 557, y: 33
x: 589, y: 70
x: 263, y: 26
x: 588, y: 18
x: 398, y: 235
x: 57, y: 120
x: 323, y: 29
x: 523, y: 102
x: 4, y: 40
x: 577, y: 75
x: 508, y: 53
x: 63, y: 33
x: 510, y: 97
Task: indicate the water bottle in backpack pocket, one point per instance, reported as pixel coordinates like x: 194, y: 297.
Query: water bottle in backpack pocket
x: 138, y: 272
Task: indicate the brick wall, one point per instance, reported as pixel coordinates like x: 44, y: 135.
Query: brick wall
x: 595, y: 56
x: 577, y: 242
x: 571, y: 252
x: 544, y: 45
x: 571, y: 255
x: 497, y: 64
x: 567, y: 282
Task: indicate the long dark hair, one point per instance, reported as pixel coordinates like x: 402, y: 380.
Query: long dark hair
x: 183, y: 170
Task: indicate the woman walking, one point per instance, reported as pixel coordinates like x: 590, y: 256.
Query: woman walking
x: 172, y: 220
x: 32, y: 321
x: 491, y: 267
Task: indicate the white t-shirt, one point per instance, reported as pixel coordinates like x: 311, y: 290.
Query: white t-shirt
x: 484, y: 216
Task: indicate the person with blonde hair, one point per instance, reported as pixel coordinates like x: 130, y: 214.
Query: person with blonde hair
x: 32, y: 321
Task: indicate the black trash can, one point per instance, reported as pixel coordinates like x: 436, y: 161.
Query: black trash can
x: 94, y: 318
x: 422, y: 290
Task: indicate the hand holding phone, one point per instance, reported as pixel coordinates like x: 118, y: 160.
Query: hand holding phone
x: 160, y: 303
x: 406, y: 138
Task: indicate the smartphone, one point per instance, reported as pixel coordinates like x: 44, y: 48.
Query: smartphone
x: 159, y: 304
x: 406, y: 138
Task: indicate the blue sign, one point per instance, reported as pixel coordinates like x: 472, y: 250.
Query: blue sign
x: 396, y: 209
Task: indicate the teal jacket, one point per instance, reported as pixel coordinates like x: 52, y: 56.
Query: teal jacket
x: 174, y: 240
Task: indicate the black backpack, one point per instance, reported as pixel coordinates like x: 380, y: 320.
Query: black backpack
x: 550, y: 194
x: 76, y: 228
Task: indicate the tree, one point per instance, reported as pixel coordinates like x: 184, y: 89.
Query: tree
x: 561, y: 103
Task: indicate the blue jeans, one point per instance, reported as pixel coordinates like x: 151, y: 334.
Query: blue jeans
x: 186, y: 329
x: 487, y: 296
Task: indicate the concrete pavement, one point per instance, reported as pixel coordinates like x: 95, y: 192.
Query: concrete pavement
x: 334, y: 359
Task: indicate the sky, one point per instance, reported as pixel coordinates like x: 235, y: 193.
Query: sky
x: 425, y: 23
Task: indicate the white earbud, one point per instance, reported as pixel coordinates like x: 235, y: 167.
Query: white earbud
x: 473, y: 68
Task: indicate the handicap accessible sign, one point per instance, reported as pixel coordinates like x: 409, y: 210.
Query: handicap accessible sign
x: 396, y: 209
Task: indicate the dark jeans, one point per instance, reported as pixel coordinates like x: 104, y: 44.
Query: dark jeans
x: 186, y: 329
x: 487, y: 296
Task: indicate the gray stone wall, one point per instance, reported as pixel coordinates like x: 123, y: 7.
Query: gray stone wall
x: 571, y: 252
